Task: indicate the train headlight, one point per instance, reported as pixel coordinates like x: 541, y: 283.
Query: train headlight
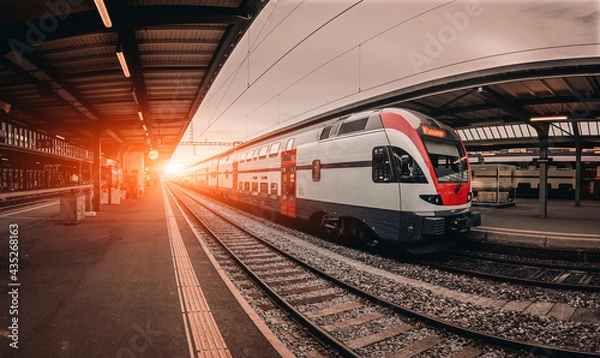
x: 432, y: 199
x: 469, y: 197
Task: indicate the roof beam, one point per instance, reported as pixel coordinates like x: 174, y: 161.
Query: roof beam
x: 503, y: 103
x: 21, y: 37
x: 43, y: 66
x: 44, y: 87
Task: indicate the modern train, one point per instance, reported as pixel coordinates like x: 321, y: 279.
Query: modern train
x: 391, y: 175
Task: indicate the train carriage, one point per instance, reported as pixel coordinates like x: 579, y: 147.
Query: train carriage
x: 392, y: 174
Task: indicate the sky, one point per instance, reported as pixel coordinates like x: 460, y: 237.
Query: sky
x: 301, y: 58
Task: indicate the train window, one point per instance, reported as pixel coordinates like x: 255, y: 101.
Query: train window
x: 353, y: 126
x: 274, y: 150
x: 264, y: 188
x: 274, y: 190
x: 325, y: 133
x: 381, y: 171
x: 316, y: 170
x: 292, y: 187
x: 289, y: 145
x: 263, y: 152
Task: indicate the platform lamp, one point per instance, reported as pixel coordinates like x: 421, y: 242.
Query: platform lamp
x: 548, y: 119
x: 122, y: 61
x: 101, y: 6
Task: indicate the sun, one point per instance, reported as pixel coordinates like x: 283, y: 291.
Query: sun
x: 173, y: 169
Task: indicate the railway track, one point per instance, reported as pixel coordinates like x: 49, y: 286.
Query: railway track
x: 539, y: 274
x: 328, y: 307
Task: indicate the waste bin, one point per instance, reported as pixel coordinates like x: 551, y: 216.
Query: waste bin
x: 72, y: 208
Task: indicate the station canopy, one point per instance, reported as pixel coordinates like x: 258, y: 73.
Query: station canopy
x: 135, y: 79
x: 60, y: 73
x: 506, y: 107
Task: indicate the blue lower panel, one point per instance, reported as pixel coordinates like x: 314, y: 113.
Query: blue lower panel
x: 385, y: 223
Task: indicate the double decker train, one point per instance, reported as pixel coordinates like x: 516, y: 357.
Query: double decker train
x: 389, y: 174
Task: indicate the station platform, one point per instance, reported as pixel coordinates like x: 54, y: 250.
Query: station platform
x: 111, y: 286
x: 566, y: 227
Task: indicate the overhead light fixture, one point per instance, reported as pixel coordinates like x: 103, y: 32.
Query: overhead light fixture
x: 5, y: 106
x: 60, y: 137
x: 144, y: 126
x: 122, y: 61
x: 548, y: 119
x: 141, y: 115
x: 103, y: 13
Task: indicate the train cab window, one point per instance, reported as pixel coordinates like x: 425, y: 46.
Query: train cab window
x: 392, y: 164
x: 289, y: 145
x: 274, y: 149
x: 263, y: 152
x: 407, y: 169
x: 316, y: 170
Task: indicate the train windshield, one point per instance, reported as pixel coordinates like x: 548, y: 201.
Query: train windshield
x: 449, y: 161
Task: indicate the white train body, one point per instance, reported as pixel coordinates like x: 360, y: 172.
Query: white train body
x: 389, y: 174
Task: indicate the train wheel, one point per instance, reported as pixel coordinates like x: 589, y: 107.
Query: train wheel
x: 357, y: 230
x: 368, y: 237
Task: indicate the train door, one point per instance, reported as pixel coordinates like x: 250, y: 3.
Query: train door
x: 235, y: 181
x: 288, y: 183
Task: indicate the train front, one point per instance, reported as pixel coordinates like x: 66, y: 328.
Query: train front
x: 435, y: 180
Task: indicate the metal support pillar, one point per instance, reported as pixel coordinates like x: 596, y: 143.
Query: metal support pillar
x: 97, y: 171
x: 542, y: 130
x: 577, y: 164
x: 543, y: 187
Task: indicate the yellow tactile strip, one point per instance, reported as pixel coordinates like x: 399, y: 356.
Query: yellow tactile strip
x: 204, y: 338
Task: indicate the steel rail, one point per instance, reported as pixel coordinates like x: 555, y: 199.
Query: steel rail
x: 498, y: 341
x: 319, y: 333
x: 514, y: 279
